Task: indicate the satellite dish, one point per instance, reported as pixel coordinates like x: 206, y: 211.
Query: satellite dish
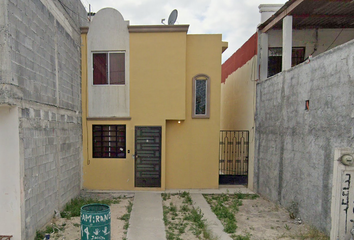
x: 173, y: 17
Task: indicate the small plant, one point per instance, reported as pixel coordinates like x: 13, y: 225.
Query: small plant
x: 241, y: 237
x: 187, y: 198
x: 293, y: 210
x: 287, y: 227
x: 166, y: 196
x: 225, y: 207
x: 181, y: 218
x: 76, y: 225
x: 185, y: 208
x: 126, y: 216
x: 313, y: 233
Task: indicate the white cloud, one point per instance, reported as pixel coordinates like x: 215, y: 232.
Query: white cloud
x: 236, y: 20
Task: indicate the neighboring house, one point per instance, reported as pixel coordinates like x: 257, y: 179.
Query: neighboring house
x: 238, y: 87
x: 151, y: 105
x: 40, y: 111
x: 304, y: 113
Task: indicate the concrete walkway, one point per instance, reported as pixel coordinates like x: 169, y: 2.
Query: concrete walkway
x: 146, y: 220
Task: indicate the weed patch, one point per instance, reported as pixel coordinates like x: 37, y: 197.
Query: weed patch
x: 73, y: 208
x: 181, y: 219
x: 225, y: 206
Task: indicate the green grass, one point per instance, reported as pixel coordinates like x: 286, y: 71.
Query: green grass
x: 225, y: 206
x: 126, y: 216
x: 241, y: 237
x: 312, y: 234
x: 183, y: 218
x: 40, y: 234
x: 73, y: 208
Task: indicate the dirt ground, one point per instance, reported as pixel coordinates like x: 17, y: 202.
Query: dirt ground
x: 257, y: 218
x: 177, y: 222
x: 264, y: 220
x: 70, y: 228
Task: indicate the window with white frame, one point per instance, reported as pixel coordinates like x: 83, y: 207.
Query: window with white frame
x: 201, y: 96
x: 108, y: 68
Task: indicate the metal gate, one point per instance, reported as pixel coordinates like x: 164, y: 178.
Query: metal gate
x: 233, y: 156
x: 147, y: 156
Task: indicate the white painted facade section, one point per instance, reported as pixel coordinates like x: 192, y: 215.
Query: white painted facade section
x: 287, y: 42
x: 342, y: 197
x: 267, y: 10
x: 263, y: 61
x: 10, y: 173
x: 108, y: 32
x: 314, y: 41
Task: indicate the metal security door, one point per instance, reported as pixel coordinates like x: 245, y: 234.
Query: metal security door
x: 147, y: 156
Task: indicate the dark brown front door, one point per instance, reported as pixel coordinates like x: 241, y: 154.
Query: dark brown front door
x: 147, y: 156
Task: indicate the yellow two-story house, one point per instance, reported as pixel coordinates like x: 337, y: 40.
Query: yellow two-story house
x: 150, y: 105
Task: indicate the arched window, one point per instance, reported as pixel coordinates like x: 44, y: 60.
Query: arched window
x: 201, y: 96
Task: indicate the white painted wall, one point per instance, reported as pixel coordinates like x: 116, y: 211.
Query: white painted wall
x: 307, y: 38
x: 10, y: 177
x: 267, y: 10
x: 108, y: 32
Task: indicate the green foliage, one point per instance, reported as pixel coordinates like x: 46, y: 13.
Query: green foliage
x: 293, y: 209
x: 130, y: 206
x: 185, y: 208
x: 39, y: 235
x: 225, y: 207
x: 165, y: 196
x: 73, y: 208
x: 287, y: 227
x: 49, y: 229
x: 230, y: 226
x: 126, y: 216
x: 241, y: 237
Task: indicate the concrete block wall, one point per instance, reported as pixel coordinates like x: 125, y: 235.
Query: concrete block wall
x: 40, y: 73
x: 294, y: 152
x: 52, y: 147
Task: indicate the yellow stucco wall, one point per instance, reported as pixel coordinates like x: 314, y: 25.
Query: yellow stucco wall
x: 238, y: 106
x: 162, y: 65
x: 193, y: 145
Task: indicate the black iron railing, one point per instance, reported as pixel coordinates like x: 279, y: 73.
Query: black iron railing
x: 233, y: 152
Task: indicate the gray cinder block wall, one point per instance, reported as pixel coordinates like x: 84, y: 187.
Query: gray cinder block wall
x: 295, y: 147
x: 40, y: 72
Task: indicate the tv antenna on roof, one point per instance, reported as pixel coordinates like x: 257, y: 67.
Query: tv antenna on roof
x: 172, y: 18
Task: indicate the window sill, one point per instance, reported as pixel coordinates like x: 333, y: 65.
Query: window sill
x: 200, y: 117
x: 108, y: 118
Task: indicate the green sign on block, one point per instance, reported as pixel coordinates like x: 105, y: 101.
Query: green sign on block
x: 95, y: 222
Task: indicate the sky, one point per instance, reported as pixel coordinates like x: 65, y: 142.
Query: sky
x: 236, y: 20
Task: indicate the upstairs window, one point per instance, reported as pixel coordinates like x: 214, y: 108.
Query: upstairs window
x: 275, y: 59
x: 108, y: 68
x: 201, y: 96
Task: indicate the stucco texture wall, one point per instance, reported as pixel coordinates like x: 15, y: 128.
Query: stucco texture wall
x: 238, y: 98
x: 238, y: 95
x: 192, y: 155
x: 295, y: 147
x: 162, y: 65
